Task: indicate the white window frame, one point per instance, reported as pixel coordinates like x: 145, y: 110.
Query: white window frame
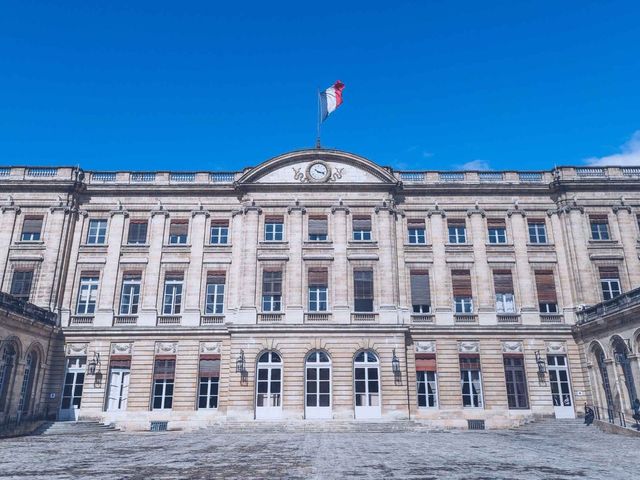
x: 548, y: 307
x: 173, y: 290
x: 457, y: 234
x: 271, y: 303
x: 463, y: 305
x: 317, y: 297
x: 427, y: 382
x: 97, y: 235
x: 497, y: 235
x: 417, y: 236
x: 537, y: 232
x: 611, y: 288
x: 505, y: 303
x: 467, y: 375
x: 87, y: 295
x: 219, y: 235
x: 132, y: 303
x: 273, y: 231
x: 600, y: 230
x: 362, y: 235
x: 210, y: 382
x: 214, y: 291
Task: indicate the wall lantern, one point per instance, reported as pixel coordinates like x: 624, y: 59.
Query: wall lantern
x: 94, y: 364
x: 395, y: 364
x: 542, y: 366
x: 241, y: 369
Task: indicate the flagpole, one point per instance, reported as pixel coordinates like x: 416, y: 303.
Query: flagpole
x: 318, y: 122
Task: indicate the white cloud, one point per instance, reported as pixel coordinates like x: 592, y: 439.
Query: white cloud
x: 630, y: 154
x: 474, y: 165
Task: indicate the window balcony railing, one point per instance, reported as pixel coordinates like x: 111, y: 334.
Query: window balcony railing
x: 488, y: 177
x: 125, y: 320
x: 451, y: 176
x: 183, y: 177
x: 590, y: 172
x: 465, y: 318
x: 508, y: 317
x: 360, y: 317
x: 81, y: 320
x: 422, y: 318
x: 104, y: 177
x: 221, y: 177
x: 530, y: 177
x: 551, y: 318
x: 143, y: 177
x: 317, y: 317
x: 412, y: 176
x: 270, y: 317
x: 211, y: 319
x: 42, y: 172
x: 169, y: 320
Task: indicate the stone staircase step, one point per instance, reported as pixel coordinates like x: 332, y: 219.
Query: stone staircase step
x: 75, y: 428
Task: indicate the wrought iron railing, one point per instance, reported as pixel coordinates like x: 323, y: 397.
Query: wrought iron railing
x: 27, y: 309
x: 616, y: 304
x: 9, y: 425
x: 616, y: 417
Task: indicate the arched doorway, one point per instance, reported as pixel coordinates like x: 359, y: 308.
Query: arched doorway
x: 8, y: 359
x: 317, y: 385
x: 366, y: 386
x: 621, y: 356
x: 26, y: 391
x: 598, y: 353
x: 269, y: 386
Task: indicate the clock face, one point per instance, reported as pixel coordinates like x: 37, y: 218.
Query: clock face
x: 318, y: 171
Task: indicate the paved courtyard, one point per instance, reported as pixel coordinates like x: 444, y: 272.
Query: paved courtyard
x: 542, y: 451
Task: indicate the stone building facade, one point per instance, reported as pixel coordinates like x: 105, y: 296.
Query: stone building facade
x: 319, y: 285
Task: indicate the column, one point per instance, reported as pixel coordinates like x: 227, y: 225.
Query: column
x: 152, y: 287
x: 79, y: 218
x: 248, y: 300
x: 524, y: 275
x: 8, y: 216
x: 340, y: 285
x: 234, y: 281
x: 191, y: 314
x: 586, y: 293
x: 627, y: 231
x: 295, y: 268
x: 109, y: 276
x: 404, y: 300
x: 564, y: 283
x: 483, y: 278
x: 388, y: 280
x: 442, y: 297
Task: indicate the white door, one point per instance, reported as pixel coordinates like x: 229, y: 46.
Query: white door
x: 560, y: 386
x: 118, y: 389
x: 367, y: 385
x: 72, y: 389
x: 317, y: 385
x: 269, y: 386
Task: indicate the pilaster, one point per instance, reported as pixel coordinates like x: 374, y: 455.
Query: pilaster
x: 295, y: 269
x: 524, y: 274
x: 486, y: 303
x: 191, y: 314
x: 152, y: 287
x: 8, y: 214
x: 441, y: 299
x: 340, y: 271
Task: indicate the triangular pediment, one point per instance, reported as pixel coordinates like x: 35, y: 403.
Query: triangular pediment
x: 318, y: 166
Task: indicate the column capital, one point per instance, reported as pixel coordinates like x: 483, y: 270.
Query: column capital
x: 200, y: 211
x: 436, y: 211
x: 10, y: 205
x: 476, y: 209
x: 340, y: 207
x: 621, y: 208
x: 296, y: 207
x: 516, y: 211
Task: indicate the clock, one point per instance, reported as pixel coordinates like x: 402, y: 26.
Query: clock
x: 318, y: 171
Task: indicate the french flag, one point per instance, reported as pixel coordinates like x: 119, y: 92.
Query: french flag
x: 330, y: 99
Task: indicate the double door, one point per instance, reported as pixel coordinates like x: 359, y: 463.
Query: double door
x: 118, y: 389
x: 560, y: 384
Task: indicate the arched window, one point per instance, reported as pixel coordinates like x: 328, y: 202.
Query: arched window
x: 7, y: 364
x: 604, y: 375
x: 269, y: 385
x: 621, y: 355
x: 26, y: 391
x: 366, y: 384
x: 318, y: 385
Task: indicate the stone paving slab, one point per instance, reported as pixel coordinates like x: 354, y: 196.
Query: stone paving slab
x: 535, y: 452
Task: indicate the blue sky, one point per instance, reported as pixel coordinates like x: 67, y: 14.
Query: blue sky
x: 223, y: 85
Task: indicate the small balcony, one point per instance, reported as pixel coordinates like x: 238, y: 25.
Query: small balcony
x: 465, y: 318
x: 211, y: 320
x: 81, y: 320
x: 169, y: 320
x: 125, y: 320
x: 317, y: 317
x: 546, y: 318
x: 270, y: 317
x: 361, y: 317
x: 422, y: 318
x: 508, y: 318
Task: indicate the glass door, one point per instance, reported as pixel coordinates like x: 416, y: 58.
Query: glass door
x: 72, y: 390
x: 560, y: 386
x: 118, y: 389
x: 318, y: 385
x: 269, y: 386
x: 367, y: 385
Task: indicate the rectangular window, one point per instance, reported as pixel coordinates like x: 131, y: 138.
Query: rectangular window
x: 471, y: 381
x: 420, y: 291
x: 172, y: 303
x: 130, y: 297
x: 457, y: 231
x: 537, y: 231
x: 178, y: 232
x: 163, y: 378
x: 271, y: 291
x: 599, y: 227
x: 416, y: 231
x: 318, y: 229
x: 214, y: 301
x: 318, y: 289
x: 97, y: 233
x: 137, y: 232
x: 274, y: 228
x: 516, y: 381
x: 32, y: 229
x: 88, y: 294
x: 209, y: 375
x: 219, y: 232
x: 362, y: 228
x: 426, y: 380
x: 21, y: 284
x: 610, y: 282
x: 363, y: 290
x: 503, y: 285
x: 497, y: 231
x: 546, y: 288
x: 462, y: 295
